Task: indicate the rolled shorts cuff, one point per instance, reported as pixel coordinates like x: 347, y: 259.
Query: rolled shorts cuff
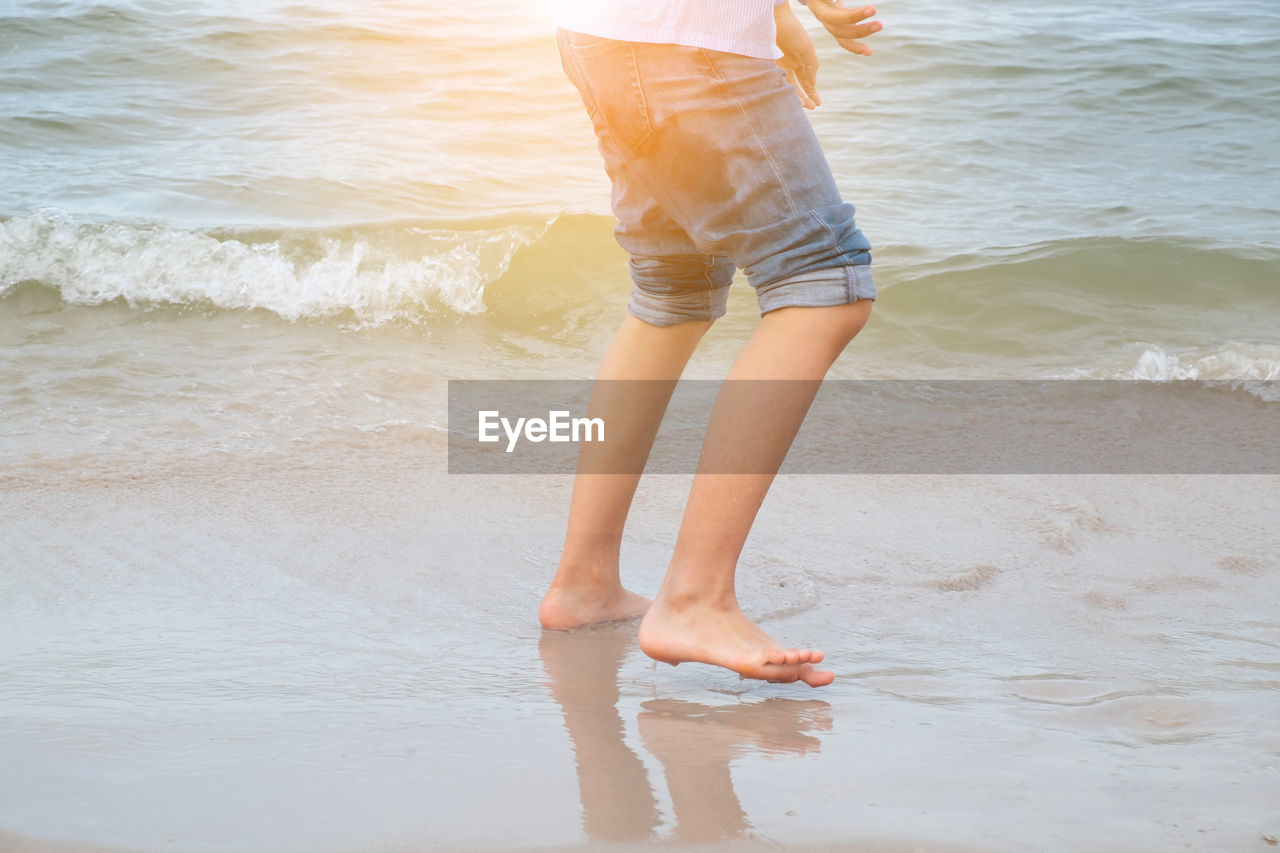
x: 675, y: 308
x: 818, y: 288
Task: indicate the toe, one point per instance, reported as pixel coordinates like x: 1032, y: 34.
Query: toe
x: 815, y: 677
x: 773, y: 657
x: 783, y: 675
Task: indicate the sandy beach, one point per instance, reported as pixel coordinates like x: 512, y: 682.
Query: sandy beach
x: 253, y: 653
x: 245, y: 607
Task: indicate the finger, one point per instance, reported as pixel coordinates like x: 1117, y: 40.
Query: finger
x: 831, y: 15
x: 854, y: 46
x: 841, y: 15
x: 808, y: 79
x: 854, y: 30
x: 805, y: 100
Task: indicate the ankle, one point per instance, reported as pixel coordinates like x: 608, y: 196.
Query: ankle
x: 594, y: 567
x: 573, y: 579
x: 681, y: 599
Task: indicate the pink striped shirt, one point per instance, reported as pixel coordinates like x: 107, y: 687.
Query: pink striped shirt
x: 733, y: 26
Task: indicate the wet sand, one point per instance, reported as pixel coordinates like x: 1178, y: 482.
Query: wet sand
x: 338, y: 651
x: 17, y: 844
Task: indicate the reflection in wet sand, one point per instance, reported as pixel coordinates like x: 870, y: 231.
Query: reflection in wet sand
x: 617, y: 801
x: 693, y: 742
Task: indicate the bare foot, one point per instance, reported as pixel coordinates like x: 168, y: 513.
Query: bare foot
x: 568, y: 606
x: 725, y: 637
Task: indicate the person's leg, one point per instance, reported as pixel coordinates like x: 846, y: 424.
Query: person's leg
x: 586, y: 587
x: 696, y: 615
x: 678, y: 291
x: 738, y: 166
x: 733, y: 170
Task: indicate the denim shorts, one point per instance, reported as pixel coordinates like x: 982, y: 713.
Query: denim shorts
x: 714, y: 167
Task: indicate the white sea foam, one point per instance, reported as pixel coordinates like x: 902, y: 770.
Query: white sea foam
x: 1252, y: 367
x: 379, y: 275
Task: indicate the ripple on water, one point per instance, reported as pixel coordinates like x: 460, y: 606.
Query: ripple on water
x: 1120, y: 711
x: 921, y: 687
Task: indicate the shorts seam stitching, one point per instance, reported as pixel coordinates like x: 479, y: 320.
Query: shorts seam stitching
x: 644, y: 101
x: 706, y: 294
x: 777, y: 173
x: 835, y: 241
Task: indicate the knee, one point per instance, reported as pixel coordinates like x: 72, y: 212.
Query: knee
x: 844, y: 322
x: 824, y: 330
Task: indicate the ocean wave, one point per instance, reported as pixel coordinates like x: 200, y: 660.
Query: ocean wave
x: 376, y: 273
x: 1249, y: 367
x: 541, y: 272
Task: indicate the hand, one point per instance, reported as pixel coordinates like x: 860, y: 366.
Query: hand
x: 847, y: 25
x: 799, y: 58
